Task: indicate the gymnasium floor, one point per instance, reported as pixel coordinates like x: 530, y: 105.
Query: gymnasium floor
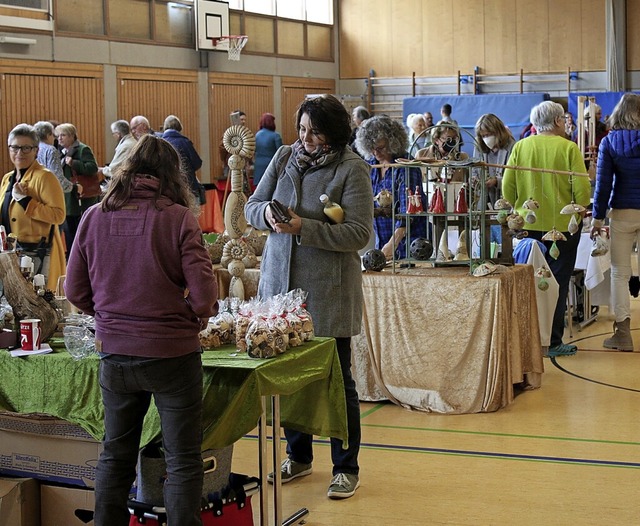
x: 567, y: 453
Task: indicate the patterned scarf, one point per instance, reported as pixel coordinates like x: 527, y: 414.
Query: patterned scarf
x: 324, y: 155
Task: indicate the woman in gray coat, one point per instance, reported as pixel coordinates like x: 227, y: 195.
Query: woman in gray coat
x: 314, y: 254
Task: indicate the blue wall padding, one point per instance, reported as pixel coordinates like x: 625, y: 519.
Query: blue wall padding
x: 513, y: 109
x: 606, y: 99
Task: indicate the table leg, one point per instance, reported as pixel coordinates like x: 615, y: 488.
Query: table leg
x: 262, y: 453
x: 275, y: 443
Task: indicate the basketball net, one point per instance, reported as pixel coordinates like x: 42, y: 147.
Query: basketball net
x: 233, y: 44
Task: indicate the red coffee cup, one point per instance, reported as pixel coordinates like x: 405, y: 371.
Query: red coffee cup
x: 30, y: 334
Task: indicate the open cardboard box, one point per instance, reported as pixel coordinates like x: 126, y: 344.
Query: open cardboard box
x: 66, y: 506
x: 19, y: 502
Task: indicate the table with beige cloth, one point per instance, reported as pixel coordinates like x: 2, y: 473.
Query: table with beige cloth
x: 441, y: 340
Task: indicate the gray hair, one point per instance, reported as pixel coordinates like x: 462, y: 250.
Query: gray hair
x: 43, y: 129
x: 23, y: 130
x: 544, y: 115
x: 413, y: 117
x: 360, y: 112
x: 382, y: 127
x: 626, y: 114
x: 120, y: 126
x: 172, y: 123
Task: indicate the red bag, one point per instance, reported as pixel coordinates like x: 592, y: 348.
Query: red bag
x: 90, y: 184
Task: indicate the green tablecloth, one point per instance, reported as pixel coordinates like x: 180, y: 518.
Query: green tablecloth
x: 308, y: 378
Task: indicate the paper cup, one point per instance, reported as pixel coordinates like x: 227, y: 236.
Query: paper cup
x: 30, y: 334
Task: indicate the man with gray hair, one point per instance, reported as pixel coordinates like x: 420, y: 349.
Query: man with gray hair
x: 120, y: 132
x: 535, y: 163
x: 48, y: 155
x: 139, y: 126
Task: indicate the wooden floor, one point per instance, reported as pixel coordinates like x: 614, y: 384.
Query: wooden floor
x: 567, y: 453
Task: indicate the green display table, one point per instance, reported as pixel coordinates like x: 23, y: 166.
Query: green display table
x: 308, y: 378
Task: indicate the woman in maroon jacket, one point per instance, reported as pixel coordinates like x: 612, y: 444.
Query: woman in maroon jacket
x: 138, y: 265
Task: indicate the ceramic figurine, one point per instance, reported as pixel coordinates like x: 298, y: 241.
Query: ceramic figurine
x: 443, y: 249
x: 461, y: 252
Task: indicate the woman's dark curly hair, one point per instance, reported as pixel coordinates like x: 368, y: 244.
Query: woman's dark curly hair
x: 328, y: 117
x: 381, y: 127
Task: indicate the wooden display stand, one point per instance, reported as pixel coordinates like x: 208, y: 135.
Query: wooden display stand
x: 23, y: 298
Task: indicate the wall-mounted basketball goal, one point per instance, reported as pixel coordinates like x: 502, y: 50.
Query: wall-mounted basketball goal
x: 212, y: 29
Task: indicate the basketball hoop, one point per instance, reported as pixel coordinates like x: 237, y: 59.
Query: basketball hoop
x: 232, y: 43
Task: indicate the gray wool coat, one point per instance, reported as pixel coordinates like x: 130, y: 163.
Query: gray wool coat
x: 323, y: 259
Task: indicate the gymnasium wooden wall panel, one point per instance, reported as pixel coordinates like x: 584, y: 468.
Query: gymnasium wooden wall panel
x: 408, y: 55
x: 252, y: 94
x: 294, y: 91
x: 33, y: 91
x: 468, y: 35
x: 438, y: 37
x: 593, y: 35
x: 500, y: 37
x: 157, y: 93
x: 561, y: 29
x: 353, y: 55
x: 435, y: 38
x: 633, y: 35
x: 532, y: 38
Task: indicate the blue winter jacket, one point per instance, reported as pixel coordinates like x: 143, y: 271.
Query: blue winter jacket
x: 618, y: 172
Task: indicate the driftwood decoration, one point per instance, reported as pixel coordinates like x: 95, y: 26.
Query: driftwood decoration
x: 23, y: 299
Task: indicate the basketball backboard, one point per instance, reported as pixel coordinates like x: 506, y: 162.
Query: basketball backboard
x: 212, y: 22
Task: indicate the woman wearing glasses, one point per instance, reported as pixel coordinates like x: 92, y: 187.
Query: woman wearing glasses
x: 383, y: 141
x: 33, y: 205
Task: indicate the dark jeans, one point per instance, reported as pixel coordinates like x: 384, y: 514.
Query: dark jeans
x: 127, y: 385
x: 562, y: 269
x: 299, y: 445
x: 69, y: 229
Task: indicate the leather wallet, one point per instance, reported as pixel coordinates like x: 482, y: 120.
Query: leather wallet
x: 279, y: 211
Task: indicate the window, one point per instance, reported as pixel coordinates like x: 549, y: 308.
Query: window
x: 32, y: 4
x: 319, y: 11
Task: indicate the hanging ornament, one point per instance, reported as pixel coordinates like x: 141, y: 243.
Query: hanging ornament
x: 554, y: 251
x: 515, y: 222
x: 461, y: 201
x: 518, y: 234
x: 502, y: 204
x: 572, y: 208
x: 542, y: 273
x: 574, y: 226
x: 531, y: 204
x: 543, y: 284
x: 531, y: 217
x: 502, y: 216
x: 554, y: 235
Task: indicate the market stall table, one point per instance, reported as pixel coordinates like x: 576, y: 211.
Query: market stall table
x: 235, y: 387
x: 441, y: 340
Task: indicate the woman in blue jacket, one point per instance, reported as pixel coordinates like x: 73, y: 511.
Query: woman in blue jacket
x: 268, y: 141
x: 618, y: 189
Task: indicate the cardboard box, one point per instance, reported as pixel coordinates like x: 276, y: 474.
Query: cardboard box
x: 47, y: 448
x: 66, y: 506
x: 19, y: 502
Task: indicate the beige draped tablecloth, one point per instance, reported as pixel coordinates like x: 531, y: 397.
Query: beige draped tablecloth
x: 440, y: 340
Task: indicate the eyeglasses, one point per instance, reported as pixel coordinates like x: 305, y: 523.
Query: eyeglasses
x: 24, y: 149
x: 380, y: 149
